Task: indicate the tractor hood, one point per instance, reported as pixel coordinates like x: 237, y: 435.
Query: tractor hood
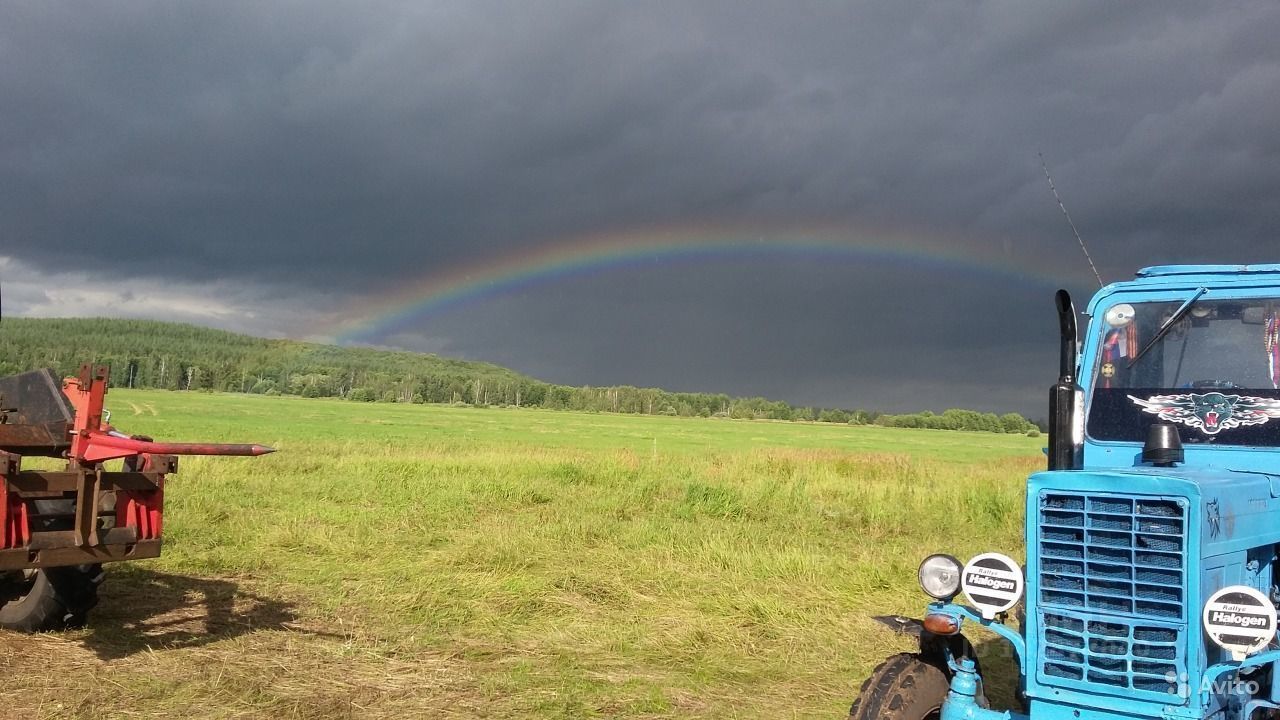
x: 1234, y: 508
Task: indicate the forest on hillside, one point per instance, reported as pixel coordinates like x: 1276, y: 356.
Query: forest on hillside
x: 170, y: 356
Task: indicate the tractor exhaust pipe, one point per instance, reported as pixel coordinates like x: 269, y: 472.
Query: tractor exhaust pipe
x: 1065, y: 421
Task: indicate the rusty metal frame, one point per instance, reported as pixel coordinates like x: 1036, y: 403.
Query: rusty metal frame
x: 40, y: 418
x: 138, y: 497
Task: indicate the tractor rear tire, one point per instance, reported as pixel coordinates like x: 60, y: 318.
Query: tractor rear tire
x: 54, y: 599
x: 904, y: 687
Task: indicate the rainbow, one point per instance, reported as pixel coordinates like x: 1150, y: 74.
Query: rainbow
x: 450, y: 288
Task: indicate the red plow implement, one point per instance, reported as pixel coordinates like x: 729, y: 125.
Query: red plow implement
x: 58, y: 526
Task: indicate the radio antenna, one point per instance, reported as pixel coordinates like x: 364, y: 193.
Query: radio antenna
x: 1079, y: 239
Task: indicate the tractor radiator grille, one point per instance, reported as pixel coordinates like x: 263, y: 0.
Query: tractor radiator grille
x: 1112, y: 605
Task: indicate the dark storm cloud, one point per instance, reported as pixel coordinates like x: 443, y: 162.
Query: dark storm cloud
x: 818, y: 333
x: 308, y: 148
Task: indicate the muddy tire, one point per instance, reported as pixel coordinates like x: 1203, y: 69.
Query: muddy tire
x: 904, y: 687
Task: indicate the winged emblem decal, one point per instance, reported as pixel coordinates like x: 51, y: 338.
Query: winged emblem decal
x: 1211, y: 413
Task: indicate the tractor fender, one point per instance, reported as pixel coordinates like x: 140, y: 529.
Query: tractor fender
x: 936, y: 649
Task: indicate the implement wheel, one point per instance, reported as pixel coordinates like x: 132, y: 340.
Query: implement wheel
x: 904, y: 687
x: 50, y: 598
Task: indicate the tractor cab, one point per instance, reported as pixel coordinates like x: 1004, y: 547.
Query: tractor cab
x: 1193, y: 347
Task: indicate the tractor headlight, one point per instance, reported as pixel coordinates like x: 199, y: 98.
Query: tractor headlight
x: 940, y: 576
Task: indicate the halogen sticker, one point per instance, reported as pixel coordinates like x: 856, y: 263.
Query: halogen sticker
x: 993, y: 583
x: 1239, y: 619
x: 1211, y: 413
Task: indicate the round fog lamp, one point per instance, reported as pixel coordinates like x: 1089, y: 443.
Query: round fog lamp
x: 940, y: 576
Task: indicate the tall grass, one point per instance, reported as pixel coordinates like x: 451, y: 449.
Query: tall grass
x: 454, y: 564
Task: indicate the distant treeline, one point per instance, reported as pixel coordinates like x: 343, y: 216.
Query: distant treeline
x: 150, y: 354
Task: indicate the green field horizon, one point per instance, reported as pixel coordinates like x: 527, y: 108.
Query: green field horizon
x: 406, y: 560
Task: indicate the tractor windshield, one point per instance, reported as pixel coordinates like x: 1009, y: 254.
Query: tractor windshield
x: 1215, y: 372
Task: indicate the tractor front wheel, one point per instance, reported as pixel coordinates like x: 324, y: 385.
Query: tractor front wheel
x: 904, y: 687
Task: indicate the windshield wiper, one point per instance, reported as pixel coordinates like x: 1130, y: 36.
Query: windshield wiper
x: 1168, y: 325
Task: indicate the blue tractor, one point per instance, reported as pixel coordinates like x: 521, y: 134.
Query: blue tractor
x: 1151, y: 578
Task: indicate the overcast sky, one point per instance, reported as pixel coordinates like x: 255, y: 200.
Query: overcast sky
x: 278, y: 168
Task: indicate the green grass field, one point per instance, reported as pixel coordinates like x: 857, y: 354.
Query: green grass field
x: 425, y: 561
